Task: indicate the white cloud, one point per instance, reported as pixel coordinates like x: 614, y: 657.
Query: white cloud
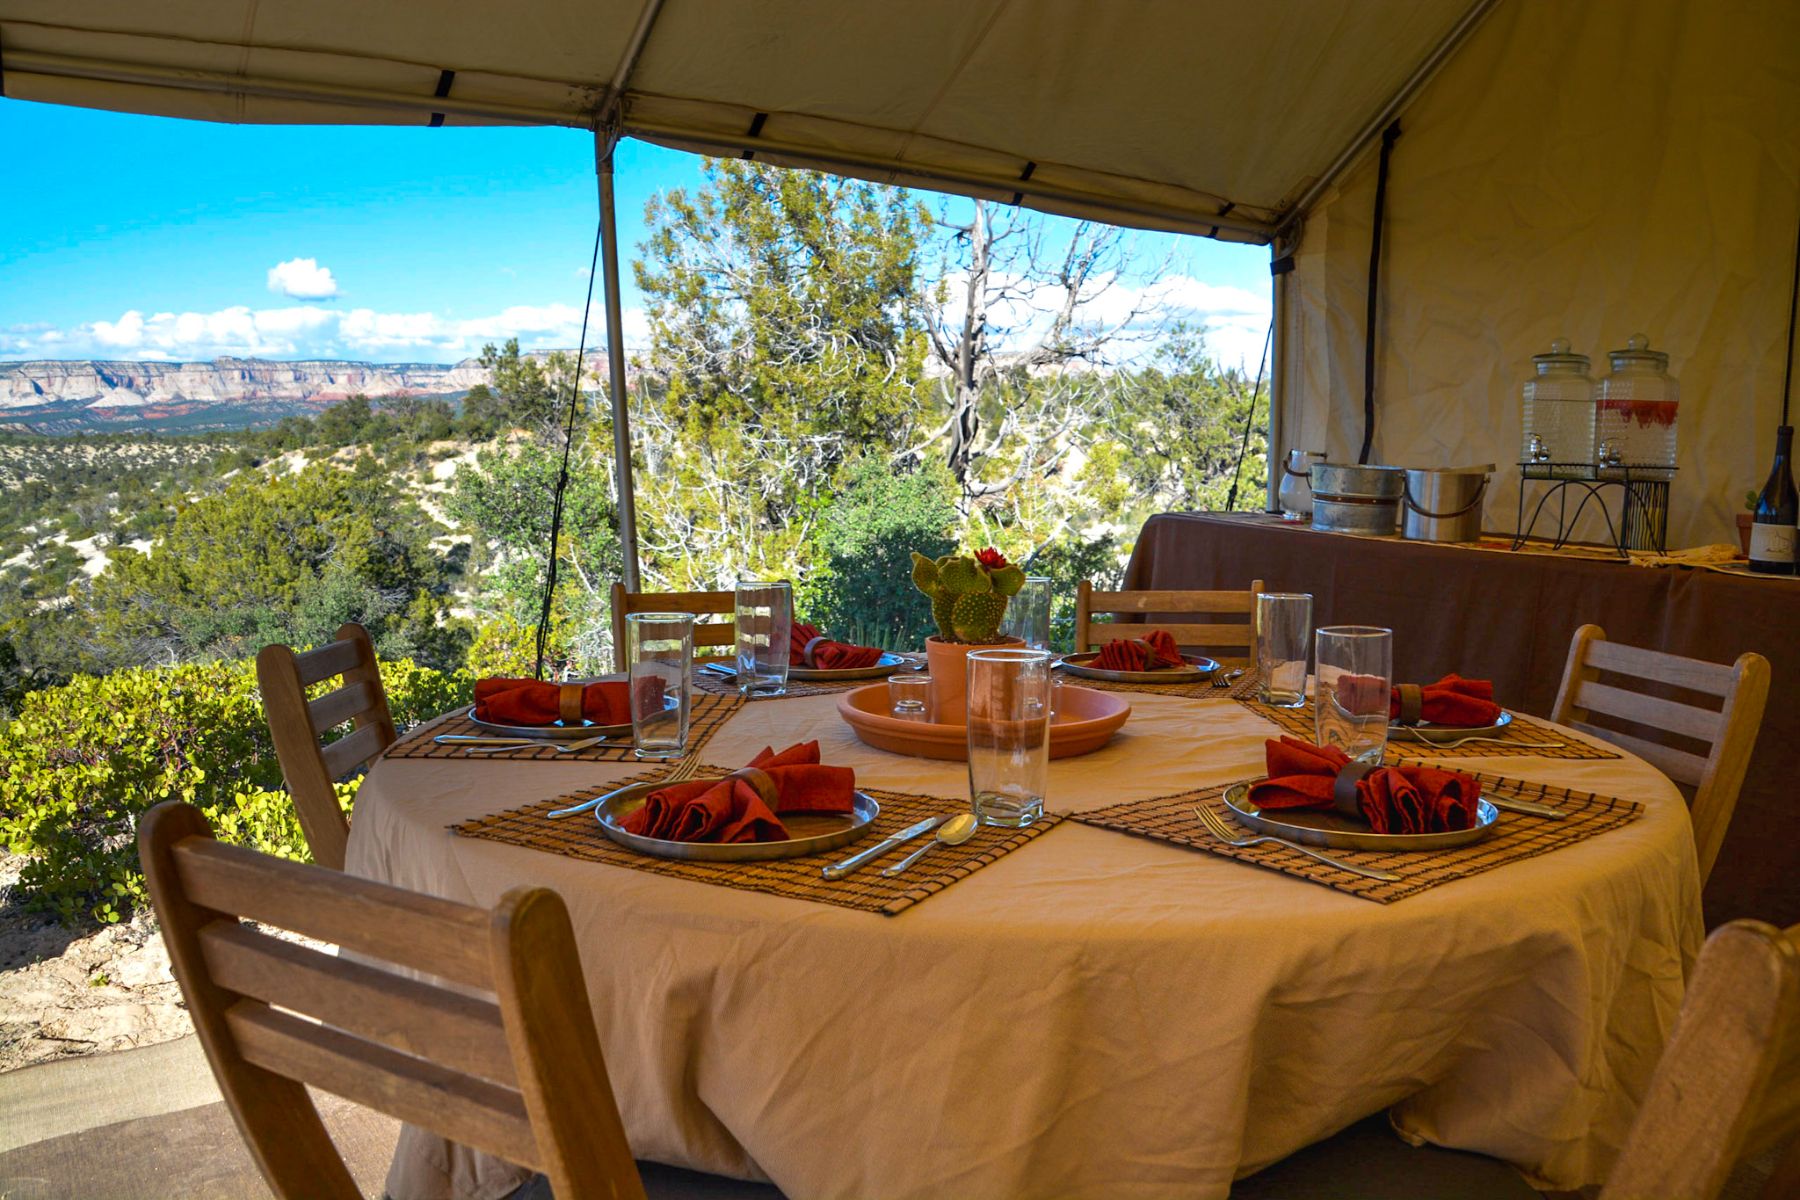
x: 303, y: 279
x: 310, y: 331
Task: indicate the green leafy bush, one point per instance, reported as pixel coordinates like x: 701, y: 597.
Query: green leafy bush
x: 861, y: 588
x: 81, y: 762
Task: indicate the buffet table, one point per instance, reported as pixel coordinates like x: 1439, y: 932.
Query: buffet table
x: 1093, y: 1014
x: 1509, y: 617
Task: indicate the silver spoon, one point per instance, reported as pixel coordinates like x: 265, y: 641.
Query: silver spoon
x: 954, y: 832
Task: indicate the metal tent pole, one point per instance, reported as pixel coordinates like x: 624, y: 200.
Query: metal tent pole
x: 615, y: 363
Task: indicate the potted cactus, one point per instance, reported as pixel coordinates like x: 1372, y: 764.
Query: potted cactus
x: 968, y: 602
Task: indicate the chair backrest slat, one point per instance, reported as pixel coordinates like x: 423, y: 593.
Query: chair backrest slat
x: 448, y: 939
x: 1728, y: 1085
x: 707, y: 634
x: 1671, y: 715
x: 519, y: 1076
x: 1680, y: 765
x: 1172, y: 601
x: 295, y: 724
x: 471, y: 1111
x: 326, y: 662
x: 346, y: 704
x: 355, y: 749
x: 1692, y: 673
x: 1729, y: 734
x: 1231, y: 643
x: 417, y: 1018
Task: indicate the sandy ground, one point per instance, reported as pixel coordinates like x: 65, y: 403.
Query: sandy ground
x: 65, y: 993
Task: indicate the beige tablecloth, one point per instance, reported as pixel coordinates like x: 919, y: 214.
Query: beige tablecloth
x: 1094, y: 1015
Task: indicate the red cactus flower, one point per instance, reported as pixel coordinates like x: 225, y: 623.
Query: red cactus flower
x: 990, y: 559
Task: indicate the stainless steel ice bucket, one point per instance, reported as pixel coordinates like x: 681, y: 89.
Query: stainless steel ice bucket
x: 1353, y: 499
x: 1445, y: 505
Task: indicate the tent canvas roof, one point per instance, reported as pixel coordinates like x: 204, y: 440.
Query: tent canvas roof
x: 1200, y: 116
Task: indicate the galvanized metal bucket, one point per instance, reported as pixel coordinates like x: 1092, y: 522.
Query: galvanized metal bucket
x: 1445, y: 505
x: 1355, y: 499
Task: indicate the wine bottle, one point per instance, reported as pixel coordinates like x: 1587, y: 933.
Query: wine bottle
x: 1777, y: 510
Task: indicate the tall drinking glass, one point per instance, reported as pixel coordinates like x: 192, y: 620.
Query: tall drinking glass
x: 659, y: 652
x: 765, y: 618
x: 1028, y: 614
x: 1283, y: 629
x: 1353, y: 677
x: 1009, y: 735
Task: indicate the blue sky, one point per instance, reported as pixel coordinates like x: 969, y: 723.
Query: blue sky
x: 145, y: 237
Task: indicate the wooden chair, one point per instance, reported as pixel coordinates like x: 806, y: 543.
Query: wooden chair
x: 1723, y: 737
x: 1727, y: 1088
x: 519, y: 1076
x: 296, y: 724
x: 711, y: 638
x: 1233, y: 644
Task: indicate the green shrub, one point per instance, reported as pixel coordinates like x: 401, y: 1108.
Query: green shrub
x: 861, y: 586
x: 81, y: 762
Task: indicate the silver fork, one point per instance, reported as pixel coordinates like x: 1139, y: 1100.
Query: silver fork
x: 559, y: 747
x: 683, y: 770
x: 1215, y: 825
x: 1224, y: 679
x: 1426, y: 740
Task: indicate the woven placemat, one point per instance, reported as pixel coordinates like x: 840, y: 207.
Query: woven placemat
x: 1524, y: 738
x: 1515, y: 837
x: 715, y: 685
x: 1243, y: 688
x: 797, y: 878
x: 705, y: 715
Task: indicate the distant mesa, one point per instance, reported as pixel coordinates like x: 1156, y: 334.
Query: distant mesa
x: 72, y: 395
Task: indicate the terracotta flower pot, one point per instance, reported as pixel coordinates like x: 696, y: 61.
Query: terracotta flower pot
x: 1745, y: 520
x: 949, y: 667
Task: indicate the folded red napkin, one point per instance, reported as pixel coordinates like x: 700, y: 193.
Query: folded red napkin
x: 1452, y: 700
x: 534, y: 702
x: 810, y: 648
x: 742, y: 807
x: 1153, y: 651
x: 1391, y: 799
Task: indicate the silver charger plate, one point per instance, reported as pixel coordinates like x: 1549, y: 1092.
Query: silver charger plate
x: 558, y: 730
x: 886, y: 665
x: 814, y: 832
x: 1316, y: 827
x: 1425, y: 731
x: 1198, y: 667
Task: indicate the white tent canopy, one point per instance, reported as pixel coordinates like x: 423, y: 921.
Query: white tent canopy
x: 1200, y: 116
x: 1587, y: 170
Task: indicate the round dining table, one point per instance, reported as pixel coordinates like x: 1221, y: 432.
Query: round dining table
x: 1093, y: 1014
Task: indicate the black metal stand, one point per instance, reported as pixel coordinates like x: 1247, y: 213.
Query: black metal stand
x: 1643, y: 522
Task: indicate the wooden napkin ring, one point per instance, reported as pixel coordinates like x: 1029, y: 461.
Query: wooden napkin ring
x: 568, y: 703
x: 814, y: 644
x: 1343, y: 788
x: 1412, y: 702
x: 762, y: 782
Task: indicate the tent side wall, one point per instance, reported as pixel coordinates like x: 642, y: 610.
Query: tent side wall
x: 1582, y: 171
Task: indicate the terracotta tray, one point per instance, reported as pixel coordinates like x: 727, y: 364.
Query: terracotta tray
x: 1085, y: 721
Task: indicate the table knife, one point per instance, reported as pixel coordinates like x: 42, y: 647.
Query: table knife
x: 1508, y: 804
x: 838, y: 870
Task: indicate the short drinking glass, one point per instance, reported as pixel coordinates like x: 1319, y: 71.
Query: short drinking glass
x: 1009, y: 735
x: 1028, y: 614
x: 1283, y: 629
x: 765, y: 616
x: 909, y: 696
x: 659, y: 650
x: 1354, y: 674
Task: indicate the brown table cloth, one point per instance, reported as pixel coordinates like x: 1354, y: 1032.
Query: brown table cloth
x: 1509, y: 618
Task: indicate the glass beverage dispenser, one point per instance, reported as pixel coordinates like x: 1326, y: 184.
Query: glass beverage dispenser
x: 1558, y: 406
x: 1637, y: 411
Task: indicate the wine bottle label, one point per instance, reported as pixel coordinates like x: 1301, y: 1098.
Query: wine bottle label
x: 1772, y: 543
